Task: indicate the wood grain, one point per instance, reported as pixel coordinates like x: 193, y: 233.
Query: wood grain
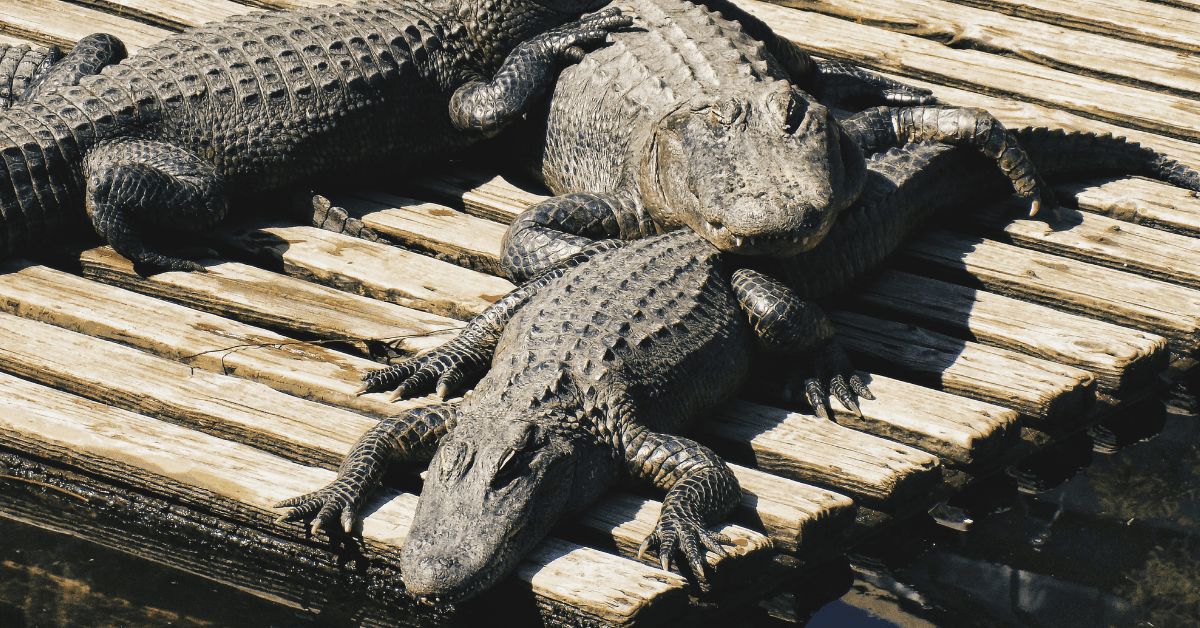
x: 191, y: 337
x: 242, y: 483
x: 982, y: 72
x: 1137, y: 200
x: 368, y: 268
x: 1121, y: 358
x: 1100, y: 240
x: 800, y: 518
x: 431, y: 228
x: 1075, y: 51
x: 1151, y: 23
x: 262, y: 298
x: 1041, y: 389
x: 53, y: 23
x: 169, y: 15
x: 957, y: 429
x: 1122, y: 298
x: 478, y: 192
x: 820, y: 452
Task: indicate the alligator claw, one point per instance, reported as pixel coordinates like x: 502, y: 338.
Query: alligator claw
x: 675, y: 533
x: 340, y: 496
x: 833, y: 375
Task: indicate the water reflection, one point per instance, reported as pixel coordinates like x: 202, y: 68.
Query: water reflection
x: 1112, y: 546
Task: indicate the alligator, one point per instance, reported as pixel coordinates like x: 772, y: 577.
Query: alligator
x: 165, y: 140
x: 624, y: 330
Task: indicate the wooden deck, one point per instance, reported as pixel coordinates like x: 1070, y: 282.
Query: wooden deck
x: 164, y: 415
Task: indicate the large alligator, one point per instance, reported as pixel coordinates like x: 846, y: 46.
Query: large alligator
x: 166, y: 139
x: 607, y: 350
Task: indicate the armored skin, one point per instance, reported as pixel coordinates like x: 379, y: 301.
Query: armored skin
x: 167, y: 139
x: 734, y: 191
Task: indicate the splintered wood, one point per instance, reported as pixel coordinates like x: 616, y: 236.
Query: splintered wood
x: 227, y: 391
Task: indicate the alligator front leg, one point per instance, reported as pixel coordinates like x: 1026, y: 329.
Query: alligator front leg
x: 133, y: 183
x: 701, y: 491
x: 470, y: 352
x: 487, y: 107
x: 881, y: 128
x: 411, y: 436
x: 560, y: 227
x: 786, y: 325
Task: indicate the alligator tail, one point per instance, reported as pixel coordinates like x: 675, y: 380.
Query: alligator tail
x: 20, y: 67
x: 1058, y: 152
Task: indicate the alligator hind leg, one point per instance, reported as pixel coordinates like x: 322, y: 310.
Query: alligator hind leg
x: 135, y: 183
x: 701, y: 491
x: 881, y: 128
x: 411, y: 436
x: 787, y: 325
x: 90, y: 55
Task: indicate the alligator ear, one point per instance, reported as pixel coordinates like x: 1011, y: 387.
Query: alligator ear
x: 456, y: 459
x: 786, y: 107
x: 727, y: 110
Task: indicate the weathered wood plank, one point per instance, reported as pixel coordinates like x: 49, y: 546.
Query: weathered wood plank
x: 979, y: 71
x: 1036, y: 388
x: 54, y: 23
x: 174, y: 16
x: 1137, y: 200
x: 432, y: 228
x: 1094, y: 291
x: 799, y: 518
x: 228, y: 407
x: 191, y: 337
x: 1096, y: 239
x: 259, y: 297
x: 1017, y: 114
x: 481, y: 193
x: 821, y: 452
x: 1121, y: 358
x: 957, y: 429
x: 1073, y: 51
x: 242, y: 483
x: 1151, y: 23
x: 372, y: 269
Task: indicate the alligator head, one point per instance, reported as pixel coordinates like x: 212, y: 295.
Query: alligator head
x: 756, y: 176
x: 494, y: 489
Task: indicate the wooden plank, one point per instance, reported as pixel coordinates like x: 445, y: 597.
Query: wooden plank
x: 1137, y: 200
x: 16, y: 41
x: 957, y: 429
x: 174, y: 16
x: 1121, y: 358
x: 799, y: 518
x: 266, y: 299
x: 371, y: 269
x: 1094, y: 291
x: 479, y: 192
x: 1034, y: 387
x: 227, y: 407
x: 821, y: 452
x: 1096, y: 239
x: 54, y: 23
x: 431, y: 228
x: 1151, y: 23
x: 1073, y: 51
x: 1017, y: 114
x: 979, y: 71
x: 241, y: 483
x: 191, y: 337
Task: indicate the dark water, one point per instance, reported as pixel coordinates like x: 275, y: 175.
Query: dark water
x: 1113, y: 545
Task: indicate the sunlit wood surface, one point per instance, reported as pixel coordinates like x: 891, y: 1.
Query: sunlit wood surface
x: 190, y: 403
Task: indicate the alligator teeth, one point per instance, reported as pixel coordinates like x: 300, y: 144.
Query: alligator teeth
x: 737, y: 240
x: 795, y: 238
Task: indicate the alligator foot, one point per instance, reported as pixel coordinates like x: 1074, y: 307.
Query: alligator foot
x: 442, y: 366
x: 678, y: 531
x: 830, y: 373
x: 343, y: 496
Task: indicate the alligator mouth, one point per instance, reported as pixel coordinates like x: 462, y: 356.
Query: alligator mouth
x: 761, y: 244
x: 722, y: 233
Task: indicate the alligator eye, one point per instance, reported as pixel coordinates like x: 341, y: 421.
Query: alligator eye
x: 725, y: 111
x: 507, y: 468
